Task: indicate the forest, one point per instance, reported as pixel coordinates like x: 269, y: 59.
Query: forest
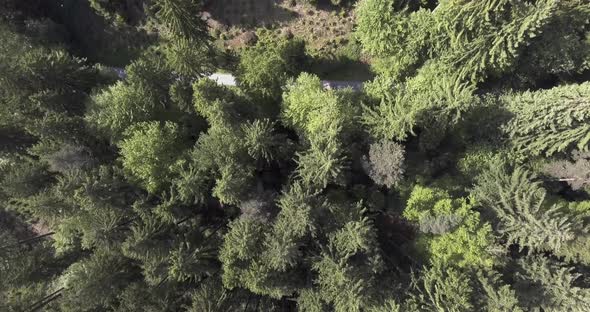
x: 457, y: 179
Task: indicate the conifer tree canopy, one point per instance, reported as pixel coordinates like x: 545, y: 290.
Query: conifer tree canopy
x: 361, y: 156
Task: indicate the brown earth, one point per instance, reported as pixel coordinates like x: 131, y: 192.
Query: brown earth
x: 323, y: 29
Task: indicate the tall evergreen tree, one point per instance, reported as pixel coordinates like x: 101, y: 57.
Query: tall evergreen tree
x: 520, y: 211
x: 549, y: 121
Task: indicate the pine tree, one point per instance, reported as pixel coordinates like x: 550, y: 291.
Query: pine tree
x: 265, y: 68
x: 561, y: 50
x: 262, y: 141
x: 323, y: 119
x: 274, y: 260
x: 437, y: 57
x: 213, y: 297
x: 143, y: 96
x: 241, y: 245
x: 237, y: 142
x: 495, y: 295
x: 519, y: 211
x: 554, y: 286
x: 140, y: 297
x: 26, y: 267
x: 189, y: 58
x: 187, y: 49
x: 292, y: 227
x: 149, y: 151
x: 441, y: 288
x: 434, y: 91
x: 181, y: 18
x: 404, y: 38
x: 345, y: 280
x: 43, y: 88
x: 99, y: 213
x: 95, y: 282
x: 549, y: 121
x: 395, y: 35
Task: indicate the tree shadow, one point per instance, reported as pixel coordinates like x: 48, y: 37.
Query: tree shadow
x: 249, y: 12
x: 341, y: 69
x: 99, y: 40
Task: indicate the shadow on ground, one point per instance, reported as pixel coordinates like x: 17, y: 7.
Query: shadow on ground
x: 249, y: 12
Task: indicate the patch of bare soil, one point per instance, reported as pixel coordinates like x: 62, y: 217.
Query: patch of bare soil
x: 322, y: 29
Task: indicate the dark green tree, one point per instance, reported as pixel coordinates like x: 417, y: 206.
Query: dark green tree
x: 549, y: 121
x: 520, y: 211
x: 265, y: 68
x: 553, y: 284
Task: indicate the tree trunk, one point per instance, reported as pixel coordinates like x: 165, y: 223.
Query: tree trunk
x: 211, y: 234
x: 45, y: 300
x: 27, y: 240
x: 247, y: 302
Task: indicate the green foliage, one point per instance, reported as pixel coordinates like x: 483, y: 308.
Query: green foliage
x: 191, y: 182
x: 452, y: 34
x: 310, y: 301
x: 292, y: 226
x: 264, y: 259
x: 554, y: 286
x: 436, y: 57
x: 164, y: 191
x: 477, y: 159
x: 343, y: 282
x: 181, y: 19
x: 227, y: 151
x: 576, y: 250
x: 563, y: 48
x: 519, y: 211
x: 549, y: 121
x: 24, y: 178
x: 322, y: 119
x: 212, y: 297
x: 99, y: 209
x: 187, y: 49
x: 189, y: 58
x: 219, y: 153
x: 395, y: 36
x: 120, y: 12
x: 261, y: 140
x: 109, y: 9
x: 265, y: 68
x: 233, y: 183
x: 452, y: 230
x: 442, y: 288
x: 316, y: 113
x: 497, y: 296
x: 411, y: 105
x: 242, y: 243
x: 93, y: 282
x: 143, y: 96
x: 149, y: 151
x: 24, y: 277
x: 139, y: 297
x: 220, y: 105
x: 43, y: 89
x: 321, y: 164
